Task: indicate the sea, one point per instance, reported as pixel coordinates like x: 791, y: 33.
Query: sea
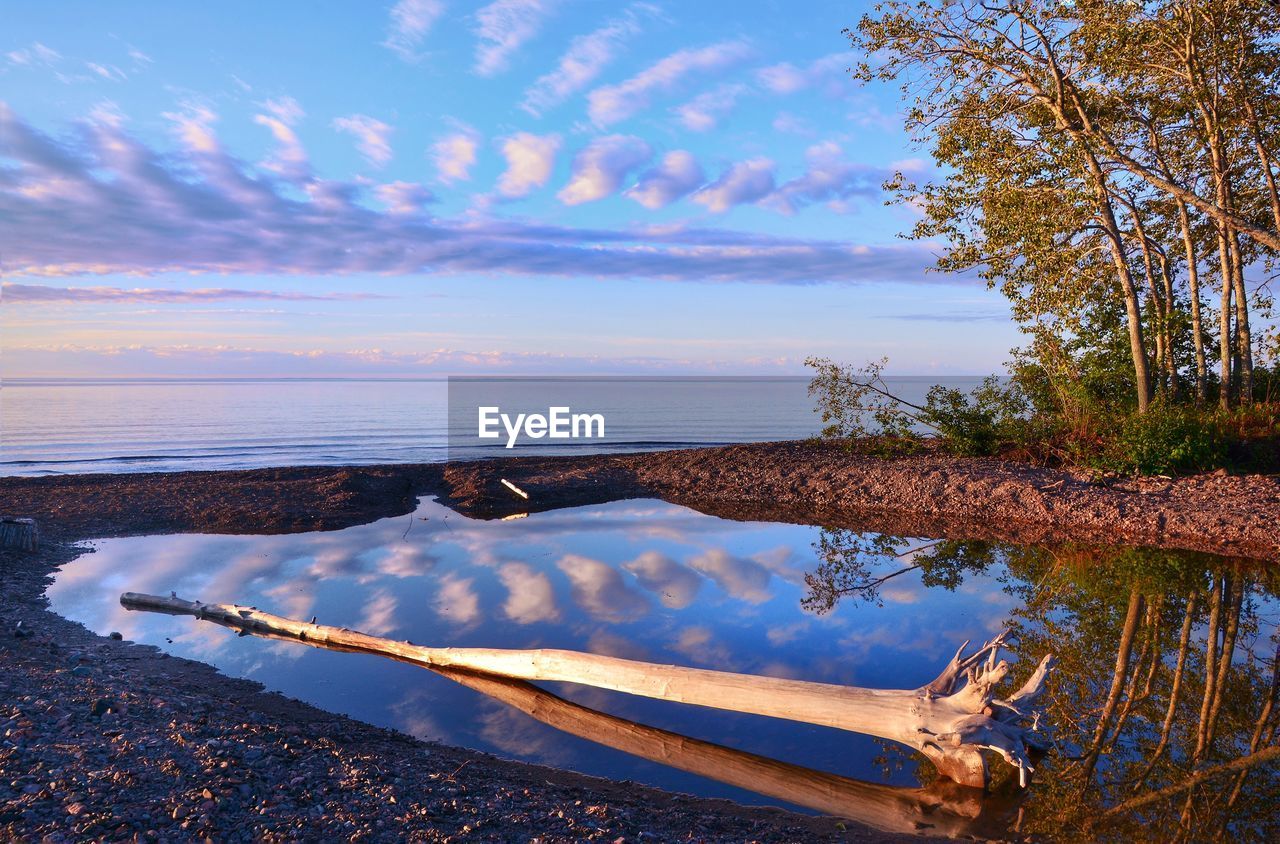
x: 58, y: 426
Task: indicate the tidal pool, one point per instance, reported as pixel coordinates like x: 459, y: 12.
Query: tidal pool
x: 662, y: 583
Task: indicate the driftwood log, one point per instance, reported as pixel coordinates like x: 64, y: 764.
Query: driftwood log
x: 19, y: 533
x: 950, y: 720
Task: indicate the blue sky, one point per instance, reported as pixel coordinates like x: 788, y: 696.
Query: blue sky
x: 435, y: 186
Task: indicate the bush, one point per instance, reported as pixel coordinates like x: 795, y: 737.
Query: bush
x: 1164, y: 441
x: 857, y: 407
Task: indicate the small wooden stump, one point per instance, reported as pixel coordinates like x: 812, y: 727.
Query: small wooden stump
x: 19, y: 533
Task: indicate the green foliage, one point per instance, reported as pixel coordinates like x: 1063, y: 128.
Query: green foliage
x: 1166, y: 440
x: 858, y: 408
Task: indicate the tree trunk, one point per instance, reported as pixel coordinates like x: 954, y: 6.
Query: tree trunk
x: 1224, y: 321
x: 948, y: 722
x: 1184, y: 642
x: 1117, y: 684
x: 1244, y: 337
x: 1193, y: 291
x: 945, y: 807
x: 1132, y: 305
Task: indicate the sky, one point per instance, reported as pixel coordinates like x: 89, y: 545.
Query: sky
x: 436, y: 187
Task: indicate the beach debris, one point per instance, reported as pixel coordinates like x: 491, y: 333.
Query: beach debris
x: 517, y: 490
x: 950, y: 720
x: 20, y: 532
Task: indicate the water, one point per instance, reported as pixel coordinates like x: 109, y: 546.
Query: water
x: 62, y: 426
x: 658, y: 582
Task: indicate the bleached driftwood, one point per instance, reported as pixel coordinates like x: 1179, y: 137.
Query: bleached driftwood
x: 945, y: 809
x: 951, y: 720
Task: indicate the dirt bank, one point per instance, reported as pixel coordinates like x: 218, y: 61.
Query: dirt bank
x: 929, y: 494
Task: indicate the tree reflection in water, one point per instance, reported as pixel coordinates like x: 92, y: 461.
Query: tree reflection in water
x: 1167, y: 676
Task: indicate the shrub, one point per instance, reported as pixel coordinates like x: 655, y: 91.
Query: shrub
x: 1165, y: 440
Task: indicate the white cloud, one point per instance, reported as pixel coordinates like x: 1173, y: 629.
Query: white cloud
x: 194, y: 125
x: 530, y: 159
x: 530, y: 597
x: 582, y: 62
x: 601, y: 591
x: 379, y: 614
x: 237, y: 218
x: 372, y: 137
x: 674, y: 584
x: 677, y: 175
x: 785, y: 78
x: 502, y: 27
x: 411, y: 20
x: 744, y: 579
x: 613, y: 103
x: 830, y: 179
x: 36, y: 54
x: 404, y: 197
x: 454, y: 154
x: 703, y: 112
x: 600, y: 167
x: 744, y: 182
x: 290, y: 159
x: 456, y: 600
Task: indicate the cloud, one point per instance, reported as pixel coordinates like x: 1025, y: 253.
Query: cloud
x: 62, y: 359
x: 677, y: 175
x: 530, y: 597
x: 829, y: 178
x: 379, y: 614
x: 36, y: 54
x: 601, y: 591
x: 792, y: 125
x: 502, y: 27
x: 961, y: 316
x: 613, y: 103
x: 454, y: 154
x: 600, y: 167
x: 744, y: 182
x: 290, y: 159
x: 529, y: 161
x: 102, y: 202
x: 785, y: 78
x: 372, y: 137
x: 581, y: 64
x: 404, y: 197
x: 15, y: 293
x: 744, y: 579
x: 703, y: 112
x: 411, y: 20
x: 674, y: 584
x: 109, y: 72
x: 699, y: 645
x: 456, y: 600
x: 194, y: 126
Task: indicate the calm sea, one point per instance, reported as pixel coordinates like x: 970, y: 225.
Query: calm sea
x: 58, y: 426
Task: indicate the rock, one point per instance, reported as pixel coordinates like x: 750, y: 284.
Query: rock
x: 100, y: 707
x: 75, y: 809
x: 115, y: 635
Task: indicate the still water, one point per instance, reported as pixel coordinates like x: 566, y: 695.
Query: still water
x: 658, y: 582
x: 59, y: 426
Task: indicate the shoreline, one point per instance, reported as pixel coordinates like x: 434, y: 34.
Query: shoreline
x: 257, y: 765
x: 927, y: 494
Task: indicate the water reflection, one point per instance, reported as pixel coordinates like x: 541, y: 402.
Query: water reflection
x: 1167, y: 660
x: 1167, y: 668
